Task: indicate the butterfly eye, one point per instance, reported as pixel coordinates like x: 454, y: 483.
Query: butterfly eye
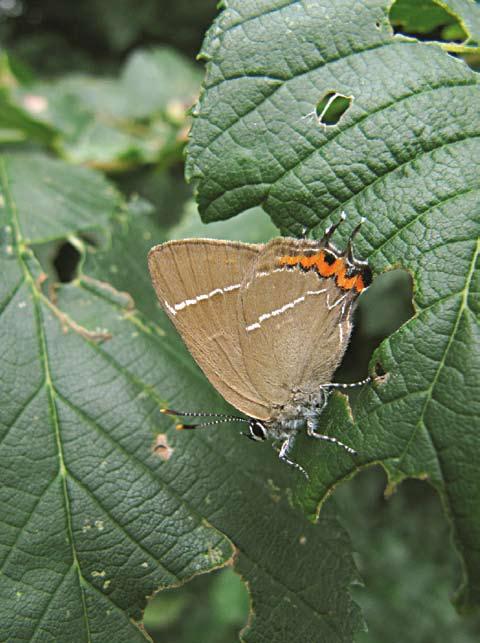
x: 257, y: 431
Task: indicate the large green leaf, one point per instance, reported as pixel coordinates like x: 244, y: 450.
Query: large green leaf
x: 89, y: 529
x: 405, y: 155
x: 257, y: 542
x: 93, y: 520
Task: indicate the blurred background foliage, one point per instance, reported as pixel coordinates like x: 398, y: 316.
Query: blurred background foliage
x: 109, y: 85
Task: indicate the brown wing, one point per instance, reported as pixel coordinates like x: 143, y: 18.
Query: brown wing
x: 198, y: 283
x: 297, y: 323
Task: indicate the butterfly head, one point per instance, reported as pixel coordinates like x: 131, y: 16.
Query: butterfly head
x: 257, y: 431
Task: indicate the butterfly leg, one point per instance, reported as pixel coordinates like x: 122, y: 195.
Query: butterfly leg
x: 285, y: 448
x: 311, y: 431
x: 339, y: 385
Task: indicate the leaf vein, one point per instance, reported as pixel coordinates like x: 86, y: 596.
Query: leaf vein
x: 51, y: 597
x: 400, y: 166
x: 274, y: 90
x: 133, y: 459
x: 43, y: 358
x: 32, y: 509
x: 431, y: 388
x: 270, y: 12
x: 11, y: 295
x: 26, y: 403
x: 122, y: 527
x: 431, y: 206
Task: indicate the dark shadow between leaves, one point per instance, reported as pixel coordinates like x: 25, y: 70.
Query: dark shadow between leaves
x: 406, y: 559
x: 381, y: 311
x: 66, y: 262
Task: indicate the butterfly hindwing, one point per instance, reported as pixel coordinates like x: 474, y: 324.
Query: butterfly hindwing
x: 297, y: 323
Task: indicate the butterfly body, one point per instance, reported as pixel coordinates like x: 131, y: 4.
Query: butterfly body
x: 295, y: 414
x: 267, y: 323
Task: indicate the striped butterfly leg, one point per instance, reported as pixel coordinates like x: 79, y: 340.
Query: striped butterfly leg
x: 339, y: 385
x: 283, y: 455
x: 312, y: 424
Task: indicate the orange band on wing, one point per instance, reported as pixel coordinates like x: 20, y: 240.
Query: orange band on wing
x: 317, y: 261
x: 337, y: 268
x: 326, y: 269
x: 344, y: 282
x: 360, y: 285
x: 290, y: 261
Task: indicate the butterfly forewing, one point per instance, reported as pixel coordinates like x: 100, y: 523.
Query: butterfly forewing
x: 198, y: 284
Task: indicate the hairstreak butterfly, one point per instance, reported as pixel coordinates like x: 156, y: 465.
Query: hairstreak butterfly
x: 267, y: 323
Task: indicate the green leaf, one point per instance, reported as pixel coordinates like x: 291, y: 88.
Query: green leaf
x: 92, y: 529
x: 53, y: 200
x: 440, y: 20
x: 153, y: 79
x: 17, y: 126
x: 149, y: 82
x: 95, y: 520
x: 423, y: 16
x: 109, y: 123
x: 405, y: 155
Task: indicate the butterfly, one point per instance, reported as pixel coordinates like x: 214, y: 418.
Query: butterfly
x: 267, y: 323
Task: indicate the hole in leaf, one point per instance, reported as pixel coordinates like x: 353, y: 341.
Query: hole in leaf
x: 332, y: 107
x: 379, y: 370
x: 214, y: 604
x: 377, y: 24
x: 66, y: 262
x: 426, y: 20
x: 381, y: 310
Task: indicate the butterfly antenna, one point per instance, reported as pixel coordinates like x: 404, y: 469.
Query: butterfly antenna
x: 200, y: 425
x: 331, y: 229
x: 349, y: 250
x: 197, y: 414
x: 221, y: 418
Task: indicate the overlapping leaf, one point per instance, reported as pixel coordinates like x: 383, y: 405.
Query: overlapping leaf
x: 93, y: 520
x: 405, y: 155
